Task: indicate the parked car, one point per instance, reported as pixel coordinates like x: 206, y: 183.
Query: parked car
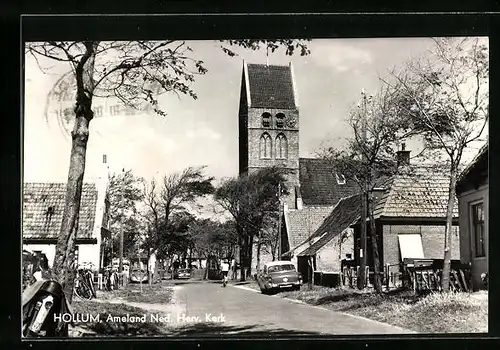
x: 182, y: 274
x: 138, y: 276
x: 279, y: 275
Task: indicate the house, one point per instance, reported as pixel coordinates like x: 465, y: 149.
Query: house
x: 410, y: 217
x: 473, y: 190
x: 332, y: 241
x: 43, y: 205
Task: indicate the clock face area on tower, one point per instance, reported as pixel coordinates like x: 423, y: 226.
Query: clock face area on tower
x: 269, y: 119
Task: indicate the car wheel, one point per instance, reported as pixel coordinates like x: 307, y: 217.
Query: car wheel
x: 263, y: 290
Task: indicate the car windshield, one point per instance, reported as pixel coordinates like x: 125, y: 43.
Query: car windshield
x: 277, y: 268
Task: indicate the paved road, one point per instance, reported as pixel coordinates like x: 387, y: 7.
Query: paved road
x: 246, y: 312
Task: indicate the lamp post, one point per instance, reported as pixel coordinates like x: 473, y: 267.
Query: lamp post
x: 279, y: 221
x: 362, y: 246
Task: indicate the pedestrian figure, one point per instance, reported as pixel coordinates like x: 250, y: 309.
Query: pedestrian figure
x: 225, y: 271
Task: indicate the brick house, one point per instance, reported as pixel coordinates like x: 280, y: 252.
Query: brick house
x: 333, y: 240
x: 410, y: 217
x: 473, y: 200
x: 269, y: 122
x: 43, y: 206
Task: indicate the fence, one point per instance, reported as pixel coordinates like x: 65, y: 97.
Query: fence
x: 417, y: 274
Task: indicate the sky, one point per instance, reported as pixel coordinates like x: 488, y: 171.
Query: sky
x: 204, y: 132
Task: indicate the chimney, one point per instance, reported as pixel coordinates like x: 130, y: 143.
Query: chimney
x: 403, y: 156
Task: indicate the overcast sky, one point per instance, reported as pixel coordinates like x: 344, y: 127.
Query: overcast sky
x: 205, y: 131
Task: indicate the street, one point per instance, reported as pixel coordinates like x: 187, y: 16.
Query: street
x: 208, y: 309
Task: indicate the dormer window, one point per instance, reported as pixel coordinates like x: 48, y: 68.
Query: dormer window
x: 266, y: 120
x: 280, y: 120
x: 340, y: 179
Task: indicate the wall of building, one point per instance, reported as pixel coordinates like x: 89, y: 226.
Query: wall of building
x: 86, y: 252
x: 478, y: 265
x: 328, y: 258
x: 432, y: 241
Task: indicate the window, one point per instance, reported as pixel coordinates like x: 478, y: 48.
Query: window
x: 265, y: 146
x: 266, y: 120
x: 281, y: 147
x: 340, y: 179
x: 478, y: 228
x: 280, y: 120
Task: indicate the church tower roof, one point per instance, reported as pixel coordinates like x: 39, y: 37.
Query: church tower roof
x: 271, y: 86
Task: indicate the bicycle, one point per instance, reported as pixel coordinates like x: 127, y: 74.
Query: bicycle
x: 84, y: 284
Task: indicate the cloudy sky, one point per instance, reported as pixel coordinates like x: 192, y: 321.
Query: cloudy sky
x: 205, y: 131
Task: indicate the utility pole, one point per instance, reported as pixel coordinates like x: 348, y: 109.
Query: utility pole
x: 279, y: 222
x: 120, y: 266
x: 362, y: 244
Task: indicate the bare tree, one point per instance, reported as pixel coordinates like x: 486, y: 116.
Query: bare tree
x: 445, y: 95
x: 135, y: 72
x: 369, y: 156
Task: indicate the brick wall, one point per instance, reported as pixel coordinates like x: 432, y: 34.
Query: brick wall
x: 328, y: 258
x: 432, y: 241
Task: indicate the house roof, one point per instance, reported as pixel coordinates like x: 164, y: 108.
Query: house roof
x: 303, y: 223
x: 38, y: 197
x: 345, y: 213
x: 319, y: 185
x: 478, y: 165
x: 271, y: 86
x: 421, y: 192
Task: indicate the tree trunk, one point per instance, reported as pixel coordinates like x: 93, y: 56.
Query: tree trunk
x: 258, y: 255
x: 62, y: 268
x: 249, y: 256
x: 376, y: 259
x: 445, y: 280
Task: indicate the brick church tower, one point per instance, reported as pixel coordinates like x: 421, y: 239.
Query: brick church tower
x: 269, y: 122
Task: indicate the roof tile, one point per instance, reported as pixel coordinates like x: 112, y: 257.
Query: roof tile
x: 271, y: 86
x: 318, y: 183
x: 38, y: 222
x: 422, y: 192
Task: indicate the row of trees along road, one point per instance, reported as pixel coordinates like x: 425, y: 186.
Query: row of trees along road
x: 441, y: 98
x: 136, y: 72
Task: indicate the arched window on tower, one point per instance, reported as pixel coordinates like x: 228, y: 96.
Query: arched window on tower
x: 280, y: 121
x: 265, y: 146
x: 266, y: 120
x: 281, y: 147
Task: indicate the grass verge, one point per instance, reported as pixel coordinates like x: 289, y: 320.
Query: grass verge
x: 433, y: 313
x: 159, y: 293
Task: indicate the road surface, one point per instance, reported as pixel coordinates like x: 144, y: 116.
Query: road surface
x: 208, y: 309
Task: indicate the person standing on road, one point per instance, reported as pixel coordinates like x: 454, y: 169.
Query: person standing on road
x: 225, y: 271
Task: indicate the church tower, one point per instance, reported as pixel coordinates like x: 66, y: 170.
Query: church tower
x: 269, y: 122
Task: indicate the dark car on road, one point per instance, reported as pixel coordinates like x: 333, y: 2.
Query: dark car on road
x: 279, y: 275
x: 182, y: 274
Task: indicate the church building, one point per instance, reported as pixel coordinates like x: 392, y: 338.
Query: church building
x: 269, y: 130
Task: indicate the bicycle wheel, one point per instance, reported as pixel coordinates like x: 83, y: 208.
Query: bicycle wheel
x: 91, y: 285
x: 83, y: 291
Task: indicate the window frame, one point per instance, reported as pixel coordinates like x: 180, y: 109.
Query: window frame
x: 281, y: 145
x: 264, y: 138
x: 474, y: 223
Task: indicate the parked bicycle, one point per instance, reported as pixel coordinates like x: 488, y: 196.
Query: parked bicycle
x: 84, y: 284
